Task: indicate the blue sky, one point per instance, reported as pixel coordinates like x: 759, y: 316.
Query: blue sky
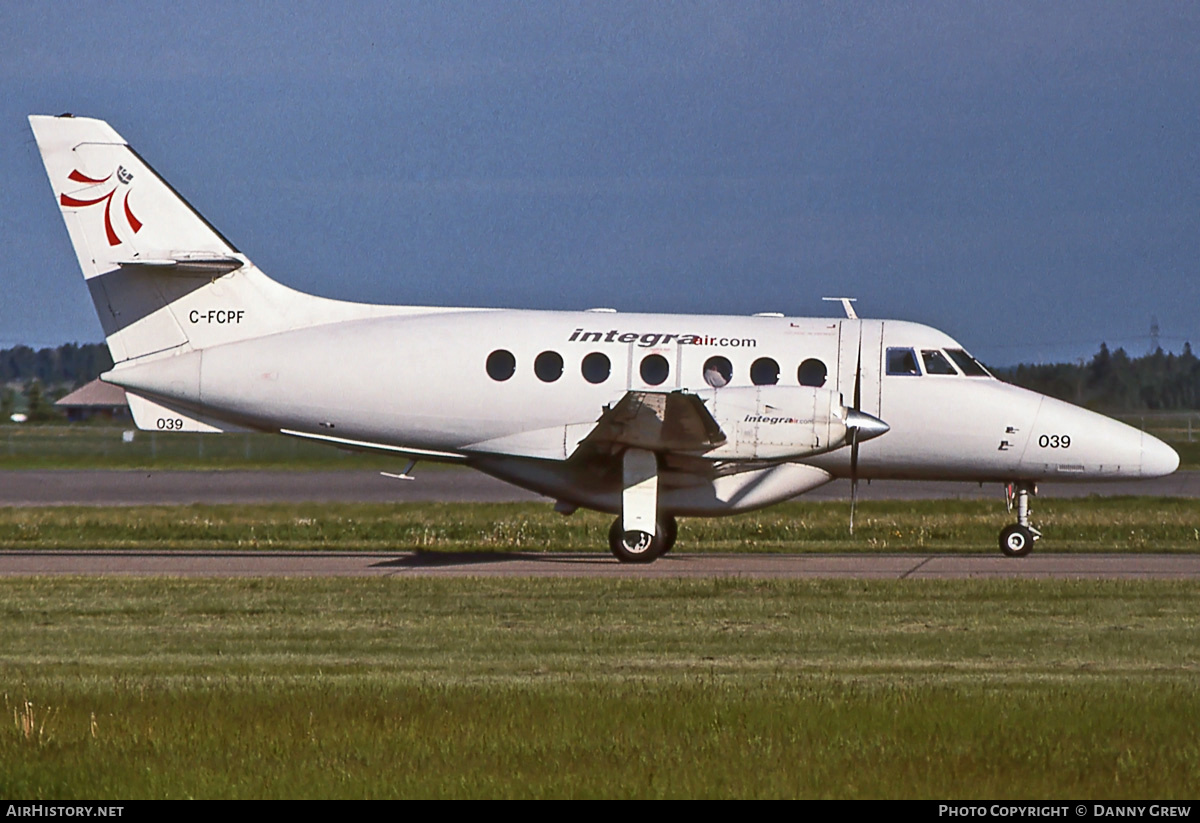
x: 1025, y: 176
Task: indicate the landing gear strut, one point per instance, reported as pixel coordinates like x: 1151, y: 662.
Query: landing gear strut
x: 640, y: 534
x: 1017, y: 540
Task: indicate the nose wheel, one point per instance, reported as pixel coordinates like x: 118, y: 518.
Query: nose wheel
x: 1017, y: 540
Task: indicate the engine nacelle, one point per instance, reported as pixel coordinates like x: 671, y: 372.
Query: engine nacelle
x: 774, y: 422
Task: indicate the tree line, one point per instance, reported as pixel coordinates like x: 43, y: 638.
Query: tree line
x: 31, y: 380
x: 71, y: 364
x: 1114, y: 381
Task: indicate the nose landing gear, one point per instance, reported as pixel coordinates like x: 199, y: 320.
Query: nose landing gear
x: 1017, y: 540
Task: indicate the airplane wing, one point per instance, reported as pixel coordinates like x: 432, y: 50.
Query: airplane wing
x: 656, y: 421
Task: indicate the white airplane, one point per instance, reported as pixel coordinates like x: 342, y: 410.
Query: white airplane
x: 647, y: 416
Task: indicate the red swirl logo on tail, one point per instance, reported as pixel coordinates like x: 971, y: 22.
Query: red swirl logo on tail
x: 122, y: 178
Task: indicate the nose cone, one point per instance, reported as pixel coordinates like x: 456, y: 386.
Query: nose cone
x: 867, y: 426
x: 1158, y: 458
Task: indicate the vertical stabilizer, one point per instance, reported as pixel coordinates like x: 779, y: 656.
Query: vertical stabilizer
x: 162, y: 278
x: 118, y: 211
x: 140, y: 245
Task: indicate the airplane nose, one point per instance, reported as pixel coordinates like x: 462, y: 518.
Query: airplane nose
x: 868, y: 426
x: 1158, y: 458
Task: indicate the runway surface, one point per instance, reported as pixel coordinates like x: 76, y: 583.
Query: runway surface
x: 431, y: 564
x: 130, y: 488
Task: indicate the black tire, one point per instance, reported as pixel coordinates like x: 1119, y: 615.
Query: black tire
x: 668, y: 530
x: 633, y: 547
x: 1016, y: 541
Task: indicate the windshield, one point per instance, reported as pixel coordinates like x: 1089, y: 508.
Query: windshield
x: 967, y: 364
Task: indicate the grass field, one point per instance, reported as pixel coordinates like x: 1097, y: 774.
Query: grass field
x: 542, y: 688
x: 1092, y: 525
x: 583, y: 688
x: 104, y: 446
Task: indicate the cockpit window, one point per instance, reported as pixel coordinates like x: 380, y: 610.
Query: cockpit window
x: 968, y: 364
x: 936, y: 362
x: 902, y: 361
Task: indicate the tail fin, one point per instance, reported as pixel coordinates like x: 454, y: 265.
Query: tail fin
x: 162, y: 278
x: 118, y: 211
x: 140, y: 245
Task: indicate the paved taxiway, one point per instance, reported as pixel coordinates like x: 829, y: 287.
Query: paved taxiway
x: 530, y: 564
x: 126, y: 488
x: 129, y: 488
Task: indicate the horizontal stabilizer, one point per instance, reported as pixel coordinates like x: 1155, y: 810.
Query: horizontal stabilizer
x: 206, y: 265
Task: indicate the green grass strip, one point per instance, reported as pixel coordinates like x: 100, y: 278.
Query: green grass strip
x: 163, y: 688
x: 1088, y: 525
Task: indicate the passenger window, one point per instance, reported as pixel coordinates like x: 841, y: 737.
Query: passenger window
x: 596, y: 367
x: 718, y: 371
x: 764, y: 372
x: 655, y: 369
x: 936, y: 362
x: 812, y: 372
x: 969, y: 365
x: 548, y: 366
x: 902, y: 361
x: 501, y: 365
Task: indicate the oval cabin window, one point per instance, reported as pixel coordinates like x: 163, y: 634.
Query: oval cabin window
x: 501, y: 365
x: 718, y: 371
x: 596, y: 367
x: 548, y: 366
x: 812, y: 372
x: 655, y: 369
x: 764, y: 372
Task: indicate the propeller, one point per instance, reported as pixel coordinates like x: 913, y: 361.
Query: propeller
x: 859, y: 427
x: 854, y: 432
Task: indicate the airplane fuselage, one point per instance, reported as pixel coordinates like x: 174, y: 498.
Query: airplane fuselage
x: 422, y: 383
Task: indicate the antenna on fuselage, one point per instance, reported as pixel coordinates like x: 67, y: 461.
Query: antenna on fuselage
x: 845, y: 301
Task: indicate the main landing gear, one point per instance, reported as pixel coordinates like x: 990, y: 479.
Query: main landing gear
x: 642, y: 547
x: 1017, y: 540
x: 641, y: 534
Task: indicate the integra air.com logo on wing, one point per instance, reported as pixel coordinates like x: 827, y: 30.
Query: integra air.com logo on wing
x: 122, y: 178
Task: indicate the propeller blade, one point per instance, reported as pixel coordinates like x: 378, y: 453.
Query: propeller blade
x: 855, y: 430
x: 853, y: 476
x: 858, y: 374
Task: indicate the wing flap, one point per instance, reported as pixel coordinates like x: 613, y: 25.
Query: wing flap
x: 656, y: 421
x: 661, y: 422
